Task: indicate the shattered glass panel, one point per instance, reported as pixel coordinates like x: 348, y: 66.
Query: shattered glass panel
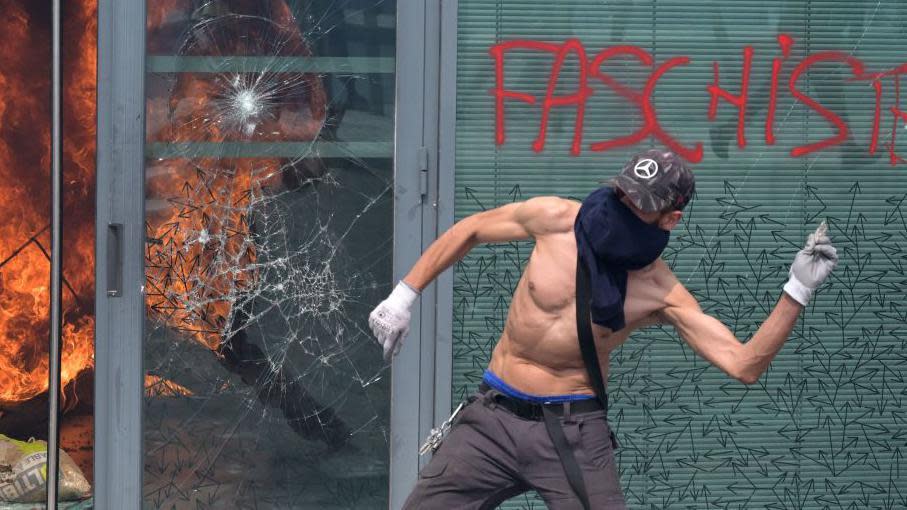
x: 268, y: 235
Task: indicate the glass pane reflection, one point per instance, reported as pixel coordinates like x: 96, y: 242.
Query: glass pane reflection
x: 269, y: 227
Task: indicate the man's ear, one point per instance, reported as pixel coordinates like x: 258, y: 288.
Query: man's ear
x: 670, y: 220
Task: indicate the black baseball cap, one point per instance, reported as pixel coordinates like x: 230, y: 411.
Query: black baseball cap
x: 656, y: 180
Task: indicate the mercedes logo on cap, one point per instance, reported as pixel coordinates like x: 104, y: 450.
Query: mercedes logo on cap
x: 646, y: 168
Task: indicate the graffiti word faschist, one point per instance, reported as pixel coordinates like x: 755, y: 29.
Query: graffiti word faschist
x: 590, y: 73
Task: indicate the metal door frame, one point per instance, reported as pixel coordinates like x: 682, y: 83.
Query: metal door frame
x: 447, y: 124
x: 119, y: 317
x: 424, y: 161
x: 415, y: 169
x: 118, y: 440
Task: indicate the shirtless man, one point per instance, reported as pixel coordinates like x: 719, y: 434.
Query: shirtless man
x: 500, y: 446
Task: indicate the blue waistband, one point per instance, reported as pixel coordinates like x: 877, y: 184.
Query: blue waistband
x: 495, y: 382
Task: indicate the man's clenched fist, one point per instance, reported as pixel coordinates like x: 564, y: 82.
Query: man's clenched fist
x: 811, y: 266
x: 390, y: 319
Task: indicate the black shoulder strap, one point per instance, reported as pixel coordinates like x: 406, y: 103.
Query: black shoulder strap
x: 572, y: 469
x: 584, y: 332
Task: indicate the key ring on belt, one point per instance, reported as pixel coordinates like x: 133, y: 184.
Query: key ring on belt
x: 437, y: 434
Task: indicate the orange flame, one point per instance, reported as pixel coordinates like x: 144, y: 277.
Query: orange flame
x: 196, y: 208
x: 25, y: 195
x: 159, y: 387
x: 201, y: 255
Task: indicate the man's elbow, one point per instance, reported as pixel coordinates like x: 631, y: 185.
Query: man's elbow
x: 746, y: 373
x: 747, y: 378
x: 740, y: 364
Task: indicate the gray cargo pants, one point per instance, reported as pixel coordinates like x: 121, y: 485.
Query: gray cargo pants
x: 491, y: 455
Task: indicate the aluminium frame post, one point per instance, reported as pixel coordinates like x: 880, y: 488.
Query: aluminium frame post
x: 56, y: 259
x: 444, y: 211
x: 409, y: 413
x: 119, y: 258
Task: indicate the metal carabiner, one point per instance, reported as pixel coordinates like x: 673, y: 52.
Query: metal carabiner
x: 433, y: 442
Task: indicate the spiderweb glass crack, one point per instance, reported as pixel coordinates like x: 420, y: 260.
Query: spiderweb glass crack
x: 260, y: 270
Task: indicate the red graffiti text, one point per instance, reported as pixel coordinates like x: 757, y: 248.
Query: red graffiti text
x: 590, y: 74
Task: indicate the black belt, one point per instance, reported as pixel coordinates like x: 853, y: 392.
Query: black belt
x: 550, y: 414
x: 535, y: 410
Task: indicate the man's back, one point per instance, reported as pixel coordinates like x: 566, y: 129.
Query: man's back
x: 538, y: 352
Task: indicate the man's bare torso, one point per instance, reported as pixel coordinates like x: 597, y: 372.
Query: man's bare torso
x: 538, y: 352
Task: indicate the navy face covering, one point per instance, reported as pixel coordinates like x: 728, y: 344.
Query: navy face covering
x: 610, y: 240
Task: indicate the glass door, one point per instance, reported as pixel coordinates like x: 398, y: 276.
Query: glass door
x: 268, y: 238
x: 25, y: 247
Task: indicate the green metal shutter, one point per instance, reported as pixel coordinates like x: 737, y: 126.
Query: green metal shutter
x: 825, y: 427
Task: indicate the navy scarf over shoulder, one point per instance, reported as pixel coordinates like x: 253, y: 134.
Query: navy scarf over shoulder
x: 610, y: 240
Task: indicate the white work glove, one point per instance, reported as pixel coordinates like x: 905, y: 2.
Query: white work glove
x: 390, y: 319
x: 811, y: 266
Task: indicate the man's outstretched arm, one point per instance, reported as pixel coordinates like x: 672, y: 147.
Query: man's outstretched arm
x: 389, y: 321
x: 716, y: 343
